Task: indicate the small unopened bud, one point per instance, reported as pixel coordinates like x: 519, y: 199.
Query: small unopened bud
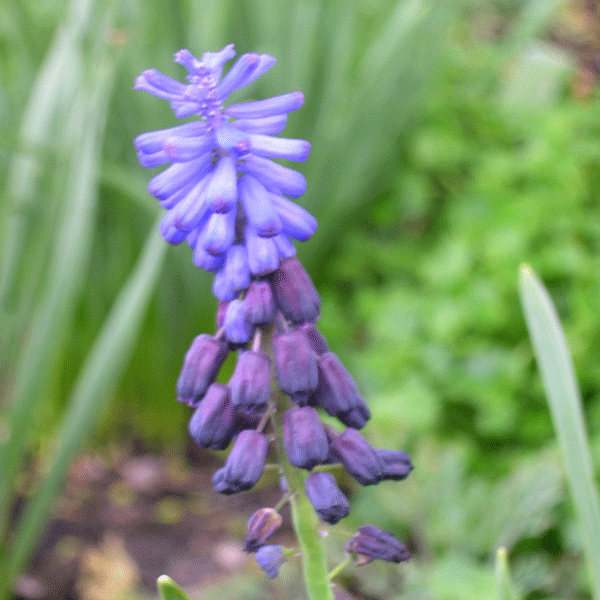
x: 315, y: 337
x: 259, y: 304
x: 294, y: 292
x: 200, y: 367
x: 260, y: 526
x: 396, y: 464
x: 337, y: 393
x: 306, y: 443
x: 250, y: 383
x: 295, y: 364
x: 270, y: 559
x: 326, y: 497
x: 212, y: 424
x: 358, y: 416
x: 244, y: 465
x: 237, y: 327
x: 372, y: 543
x: 358, y: 457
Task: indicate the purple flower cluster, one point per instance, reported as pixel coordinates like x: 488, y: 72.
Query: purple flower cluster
x: 222, y: 192
x: 226, y: 197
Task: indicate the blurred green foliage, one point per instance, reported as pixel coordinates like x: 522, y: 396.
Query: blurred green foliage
x: 448, y: 147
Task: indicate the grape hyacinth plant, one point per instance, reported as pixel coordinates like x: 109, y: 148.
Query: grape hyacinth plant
x: 225, y: 196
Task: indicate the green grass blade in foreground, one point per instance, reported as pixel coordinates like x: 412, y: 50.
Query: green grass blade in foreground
x: 100, y: 374
x: 169, y: 590
x: 504, y: 585
x: 554, y: 361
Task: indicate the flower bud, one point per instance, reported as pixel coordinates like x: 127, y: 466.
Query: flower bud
x: 270, y: 558
x: 212, y: 424
x: 326, y: 497
x: 337, y: 393
x: 259, y: 304
x: 244, y: 465
x: 200, y: 367
x: 250, y: 383
x: 317, y: 342
x: 357, y: 417
x: 294, y: 292
x: 396, y: 464
x: 260, y: 526
x: 370, y: 543
x: 358, y: 457
x: 237, y: 328
x: 306, y: 443
x: 295, y: 364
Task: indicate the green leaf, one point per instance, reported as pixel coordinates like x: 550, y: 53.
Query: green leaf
x: 169, y: 590
x: 504, y: 584
x: 554, y: 361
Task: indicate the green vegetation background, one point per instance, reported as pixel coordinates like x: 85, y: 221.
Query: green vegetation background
x: 450, y: 144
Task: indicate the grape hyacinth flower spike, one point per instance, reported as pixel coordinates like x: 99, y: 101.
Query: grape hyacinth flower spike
x: 230, y: 201
x: 222, y: 192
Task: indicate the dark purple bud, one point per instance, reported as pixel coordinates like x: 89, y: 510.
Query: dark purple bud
x: 326, y: 497
x: 244, y: 465
x: 259, y: 304
x: 306, y: 443
x: 357, y: 417
x: 270, y: 558
x: 250, y: 384
x: 212, y: 424
x: 396, y: 464
x: 358, y: 457
x: 260, y: 526
x: 296, y: 365
x: 317, y: 342
x: 337, y: 393
x: 200, y: 367
x: 294, y: 292
x: 370, y: 543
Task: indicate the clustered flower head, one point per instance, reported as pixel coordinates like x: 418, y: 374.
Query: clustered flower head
x: 222, y: 192
x: 225, y: 196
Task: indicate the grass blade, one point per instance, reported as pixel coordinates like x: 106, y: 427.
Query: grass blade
x: 555, y: 364
x: 504, y: 585
x: 100, y: 374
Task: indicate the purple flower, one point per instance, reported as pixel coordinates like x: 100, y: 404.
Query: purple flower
x: 207, y: 203
x: 201, y: 365
x: 259, y: 303
x: 212, y: 424
x: 306, y: 443
x: 244, y: 465
x: 260, y: 526
x: 359, y: 458
x: 295, y: 364
x: 294, y: 292
x: 370, y: 543
x: 337, y: 393
x: 326, y: 497
x: 250, y: 383
x: 396, y: 464
x: 270, y: 558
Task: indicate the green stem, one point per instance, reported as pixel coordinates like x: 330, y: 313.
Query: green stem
x: 340, y: 567
x: 306, y: 525
x: 304, y: 519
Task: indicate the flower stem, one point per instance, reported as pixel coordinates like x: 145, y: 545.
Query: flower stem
x: 306, y: 526
x: 304, y: 519
x: 340, y: 567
